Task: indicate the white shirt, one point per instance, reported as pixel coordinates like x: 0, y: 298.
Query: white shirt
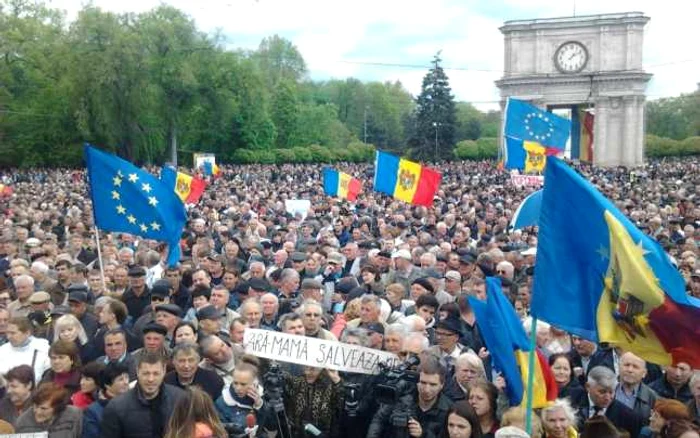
x: 15, y: 356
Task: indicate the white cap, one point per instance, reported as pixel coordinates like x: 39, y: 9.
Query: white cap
x: 530, y: 251
x: 403, y: 254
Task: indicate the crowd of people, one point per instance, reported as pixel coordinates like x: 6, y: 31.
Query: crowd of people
x: 108, y: 341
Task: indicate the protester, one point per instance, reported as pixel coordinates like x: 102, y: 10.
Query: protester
x: 51, y: 413
x: 17, y: 399
x: 194, y: 417
x: 310, y: 273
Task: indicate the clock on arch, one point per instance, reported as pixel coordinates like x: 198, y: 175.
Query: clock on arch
x: 571, y: 57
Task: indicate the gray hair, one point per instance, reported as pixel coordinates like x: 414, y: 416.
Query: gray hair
x: 395, y: 329
x: 40, y: 267
x: 270, y: 295
x: 288, y: 274
x: 425, y: 343
x: 24, y: 278
x: 256, y: 264
x: 247, y: 303
x: 308, y: 303
x: 102, y: 301
x: 186, y: 348
x: 126, y: 251
x: 370, y: 298
x: 565, y: 405
x: 602, y: 376
x: 359, y: 333
x: 470, y: 359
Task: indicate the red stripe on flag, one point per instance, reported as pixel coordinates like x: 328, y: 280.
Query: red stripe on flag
x: 428, y: 185
x: 197, y: 187
x: 354, y: 188
x: 681, y: 344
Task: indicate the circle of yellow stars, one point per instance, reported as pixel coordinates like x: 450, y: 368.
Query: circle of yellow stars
x: 121, y: 210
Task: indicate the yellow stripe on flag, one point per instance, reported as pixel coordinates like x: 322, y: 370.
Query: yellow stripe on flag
x: 343, y: 184
x: 539, y: 388
x: 407, y: 180
x: 183, y: 185
x: 536, y: 158
x: 631, y: 292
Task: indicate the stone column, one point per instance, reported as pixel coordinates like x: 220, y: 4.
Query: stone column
x: 641, y: 131
x: 629, y: 134
x: 600, y: 131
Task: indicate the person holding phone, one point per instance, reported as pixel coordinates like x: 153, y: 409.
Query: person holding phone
x: 243, y: 397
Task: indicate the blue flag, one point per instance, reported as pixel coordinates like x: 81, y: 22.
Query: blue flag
x: 528, y: 212
x: 130, y: 200
x: 503, y: 335
x: 600, y: 277
x: 526, y: 122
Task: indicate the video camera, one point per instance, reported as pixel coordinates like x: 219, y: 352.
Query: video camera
x: 395, y: 386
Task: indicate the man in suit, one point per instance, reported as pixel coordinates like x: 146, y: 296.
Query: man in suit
x: 599, y: 399
x: 586, y: 355
x: 631, y: 391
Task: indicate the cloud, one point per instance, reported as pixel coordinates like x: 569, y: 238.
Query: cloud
x: 335, y: 37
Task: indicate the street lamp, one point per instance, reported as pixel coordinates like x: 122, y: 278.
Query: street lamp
x: 436, y: 124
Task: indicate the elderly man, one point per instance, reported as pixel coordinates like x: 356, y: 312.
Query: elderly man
x: 599, y: 399
x: 370, y: 311
x: 219, y: 357
x: 631, y: 391
x: 187, y: 372
x: 251, y: 310
x: 24, y: 286
x: 293, y: 324
x: 138, y: 296
x: 312, y: 316
x: 270, y: 311
x: 404, y: 272
x: 219, y: 299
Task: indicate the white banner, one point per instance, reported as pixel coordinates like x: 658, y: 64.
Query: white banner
x: 294, y: 206
x: 303, y: 350
x: 527, y: 180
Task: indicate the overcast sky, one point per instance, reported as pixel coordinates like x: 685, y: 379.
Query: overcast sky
x: 342, y: 39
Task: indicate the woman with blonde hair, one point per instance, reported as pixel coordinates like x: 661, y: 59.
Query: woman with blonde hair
x: 515, y: 416
x: 559, y: 419
x: 194, y: 416
x: 68, y: 328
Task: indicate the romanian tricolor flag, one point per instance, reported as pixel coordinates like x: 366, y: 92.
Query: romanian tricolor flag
x: 211, y: 169
x: 188, y: 188
x: 405, y: 180
x: 340, y: 184
x: 599, y: 277
x: 508, y: 345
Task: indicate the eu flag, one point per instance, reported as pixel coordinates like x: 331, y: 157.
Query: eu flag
x: 130, y: 200
x: 526, y: 122
x: 507, y: 343
x: 600, y: 277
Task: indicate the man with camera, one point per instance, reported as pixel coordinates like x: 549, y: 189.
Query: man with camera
x: 425, y: 414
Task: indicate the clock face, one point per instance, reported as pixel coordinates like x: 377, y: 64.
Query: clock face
x: 571, y: 57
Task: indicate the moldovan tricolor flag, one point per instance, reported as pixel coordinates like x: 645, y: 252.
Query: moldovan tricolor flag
x: 405, y: 180
x: 340, y: 184
x: 188, y: 188
x: 600, y: 277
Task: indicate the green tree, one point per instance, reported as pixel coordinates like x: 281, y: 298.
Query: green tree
x: 434, y: 136
x: 468, y: 125
x: 279, y: 59
x: 285, y: 114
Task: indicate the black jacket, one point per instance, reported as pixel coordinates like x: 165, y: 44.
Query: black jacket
x: 132, y: 416
x: 207, y: 380
x: 619, y: 415
x: 602, y: 357
x: 664, y: 390
x: 454, y: 391
x: 431, y: 421
x: 644, y: 402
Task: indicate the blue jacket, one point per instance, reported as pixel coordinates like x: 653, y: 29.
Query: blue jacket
x: 233, y: 412
x: 92, y: 418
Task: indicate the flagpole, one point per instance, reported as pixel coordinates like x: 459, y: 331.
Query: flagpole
x: 99, y: 260
x: 530, y: 376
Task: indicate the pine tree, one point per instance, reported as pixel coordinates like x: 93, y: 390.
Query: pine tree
x: 434, y: 135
